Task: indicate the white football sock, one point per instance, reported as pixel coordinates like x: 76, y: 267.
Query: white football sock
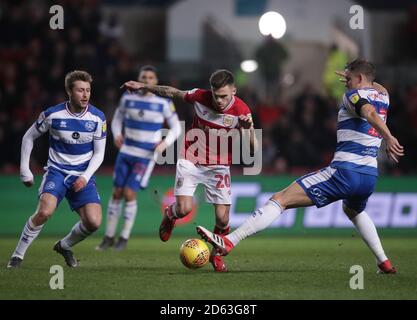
x: 172, y: 214
x: 258, y: 221
x: 78, y: 233
x: 29, y: 233
x: 113, y: 213
x: 131, y: 208
x: 367, y: 230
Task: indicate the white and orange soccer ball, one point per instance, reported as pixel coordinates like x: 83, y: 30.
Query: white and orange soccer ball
x: 194, y: 253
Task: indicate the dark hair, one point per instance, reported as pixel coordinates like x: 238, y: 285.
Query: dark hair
x: 221, y: 78
x: 148, y: 67
x: 362, y: 66
x: 76, y: 75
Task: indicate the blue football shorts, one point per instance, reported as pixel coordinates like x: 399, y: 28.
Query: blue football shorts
x: 60, y: 184
x: 132, y: 172
x: 331, y: 184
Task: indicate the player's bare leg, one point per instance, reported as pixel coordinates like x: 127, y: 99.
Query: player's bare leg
x: 46, y: 207
x: 91, y: 217
x: 369, y: 234
x: 221, y: 228
x: 114, y: 210
x: 177, y: 210
x: 292, y: 197
x: 130, y: 211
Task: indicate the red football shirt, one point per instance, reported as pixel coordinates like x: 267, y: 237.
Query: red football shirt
x: 210, y: 140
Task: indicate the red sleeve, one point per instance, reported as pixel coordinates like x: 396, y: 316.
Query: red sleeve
x: 243, y: 108
x: 195, y: 95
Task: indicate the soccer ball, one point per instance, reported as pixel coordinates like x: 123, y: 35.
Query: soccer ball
x: 194, y: 253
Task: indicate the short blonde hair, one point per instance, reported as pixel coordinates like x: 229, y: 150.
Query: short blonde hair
x: 76, y: 75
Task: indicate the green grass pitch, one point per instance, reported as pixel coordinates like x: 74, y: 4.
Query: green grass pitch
x: 262, y: 267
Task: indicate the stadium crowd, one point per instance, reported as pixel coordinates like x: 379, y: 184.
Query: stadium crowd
x: 298, y: 136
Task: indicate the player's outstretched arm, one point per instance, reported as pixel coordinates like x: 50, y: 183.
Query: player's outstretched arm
x: 162, y: 91
x: 394, y: 149
x: 31, y: 135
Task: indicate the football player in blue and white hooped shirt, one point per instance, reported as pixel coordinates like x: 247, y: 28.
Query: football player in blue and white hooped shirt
x: 136, y: 131
x: 352, y: 174
x: 77, y: 140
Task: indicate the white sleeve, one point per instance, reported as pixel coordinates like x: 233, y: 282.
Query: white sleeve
x: 96, y: 159
x: 117, y: 122
x: 42, y: 123
x: 169, y: 109
x: 27, y: 145
x: 174, y: 129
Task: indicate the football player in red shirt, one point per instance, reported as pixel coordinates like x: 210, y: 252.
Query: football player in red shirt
x: 219, y: 114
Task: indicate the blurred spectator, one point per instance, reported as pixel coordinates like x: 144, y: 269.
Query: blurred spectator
x: 336, y: 60
x: 111, y: 27
x: 35, y: 60
x: 268, y: 112
x: 270, y: 56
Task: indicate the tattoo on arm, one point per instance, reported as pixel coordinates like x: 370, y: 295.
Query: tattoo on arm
x: 166, y: 91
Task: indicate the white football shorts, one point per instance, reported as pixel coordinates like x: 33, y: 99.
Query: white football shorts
x: 216, y: 181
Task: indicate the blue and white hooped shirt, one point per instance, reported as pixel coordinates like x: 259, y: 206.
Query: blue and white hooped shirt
x: 143, y: 117
x: 71, y: 136
x: 357, y: 141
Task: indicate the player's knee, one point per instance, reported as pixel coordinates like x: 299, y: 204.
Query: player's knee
x: 117, y: 194
x: 129, y: 194
x: 43, y: 214
x: 350, y: 213
x: 280, y: 198
x: 92, y: 223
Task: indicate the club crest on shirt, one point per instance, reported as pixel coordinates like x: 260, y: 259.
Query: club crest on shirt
x: 228, y: 120
x: 89, y: 126
x: 141, y: 113
x: 63, y: 124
